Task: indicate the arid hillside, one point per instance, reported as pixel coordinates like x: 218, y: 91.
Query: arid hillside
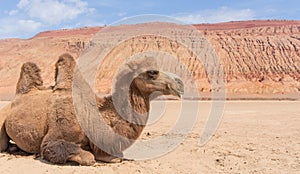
x: 261, y: 59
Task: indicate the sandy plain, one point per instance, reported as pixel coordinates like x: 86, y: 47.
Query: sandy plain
x: 252, y: 137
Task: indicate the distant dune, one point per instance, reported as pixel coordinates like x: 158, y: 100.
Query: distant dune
x: 261, y: 59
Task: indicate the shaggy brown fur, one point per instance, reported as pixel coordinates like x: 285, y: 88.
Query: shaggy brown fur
x: 23, y: 110
x: 59, y: 151
x: 64, y: 69
x: 54, y: 130
x: 30, y: 78
x: 64, y: 140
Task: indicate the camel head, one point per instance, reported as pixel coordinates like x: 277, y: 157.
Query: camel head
x: 157, y: 83
x: 29, y: 79
x: 143, y: 76
x: 64, y: 69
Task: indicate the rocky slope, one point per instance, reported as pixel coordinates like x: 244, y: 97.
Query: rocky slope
x: 261, y: 59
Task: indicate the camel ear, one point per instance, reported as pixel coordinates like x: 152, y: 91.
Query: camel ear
x: 143, y: 64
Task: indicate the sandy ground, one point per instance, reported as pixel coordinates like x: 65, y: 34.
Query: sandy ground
x: 253, y: 137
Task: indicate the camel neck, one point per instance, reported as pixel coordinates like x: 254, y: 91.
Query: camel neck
x: 131, y: 104
x: 139, y: 102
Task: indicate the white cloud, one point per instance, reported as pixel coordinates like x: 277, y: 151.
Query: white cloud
x: 223, y: 14
x: 54, y: 12
x: 23, y: 3
x: 31, y: 16
x: 28, y: 25
x: 13, y: 12
x: 16, y: 28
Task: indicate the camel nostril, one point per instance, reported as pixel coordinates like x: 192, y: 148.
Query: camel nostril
x: 179, y: 81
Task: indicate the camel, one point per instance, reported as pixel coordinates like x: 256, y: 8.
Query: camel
x: 20, y: 112
x: 129, y: 119
x: 43, y: 120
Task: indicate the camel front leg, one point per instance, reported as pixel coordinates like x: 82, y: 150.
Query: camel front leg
x: 108, y: 159
x: 100, y: 155
x: 84, y: 158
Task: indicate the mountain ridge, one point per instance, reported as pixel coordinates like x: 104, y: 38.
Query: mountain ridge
x: 261, y: 58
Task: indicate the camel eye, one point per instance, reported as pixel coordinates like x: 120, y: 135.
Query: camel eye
x: 60, y: 61
x: 152, y: 74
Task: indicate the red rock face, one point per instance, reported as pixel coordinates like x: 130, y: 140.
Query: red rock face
x: 261, y: 59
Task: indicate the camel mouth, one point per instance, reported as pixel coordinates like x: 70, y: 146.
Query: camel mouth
x: 178, y: 94
x: 177, y: 88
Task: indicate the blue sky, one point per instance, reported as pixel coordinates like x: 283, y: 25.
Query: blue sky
x: 25, y: 18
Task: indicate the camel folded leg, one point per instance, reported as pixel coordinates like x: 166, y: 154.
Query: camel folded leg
x: 61, y: 151
x: 109, y: 159
x: 5, y: 145
x: 3, y: 138
x: 100, y: 155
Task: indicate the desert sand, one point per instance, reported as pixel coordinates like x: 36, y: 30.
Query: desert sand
x: 253, y: 137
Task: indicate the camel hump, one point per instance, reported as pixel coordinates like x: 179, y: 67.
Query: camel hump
x: 29, y: 79
x: 64, y: 69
